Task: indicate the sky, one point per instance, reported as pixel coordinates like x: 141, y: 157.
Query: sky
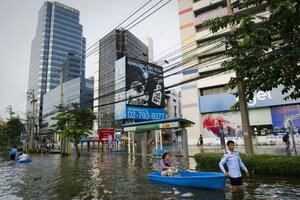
x: 18, y: 22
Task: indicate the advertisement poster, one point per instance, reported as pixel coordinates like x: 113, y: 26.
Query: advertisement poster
x: 105, y: 134
x: 279, y: 113
x: 228, y: 123
x: 144, y: 84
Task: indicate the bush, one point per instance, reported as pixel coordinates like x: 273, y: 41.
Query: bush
x: 257, y: 164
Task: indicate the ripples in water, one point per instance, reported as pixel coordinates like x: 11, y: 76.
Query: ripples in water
x: 118, y: 176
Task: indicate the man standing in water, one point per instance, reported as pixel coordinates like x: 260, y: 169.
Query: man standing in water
x: 234, y: 163
x: 13, y: 153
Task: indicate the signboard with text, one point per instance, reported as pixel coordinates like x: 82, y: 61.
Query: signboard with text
x: 140, y: 90
x: 223, y: 102
x: 144, y: 84
x: 104, y: 135
x: 24, y: 136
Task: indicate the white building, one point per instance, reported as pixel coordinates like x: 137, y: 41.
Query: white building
x: 149, y: 42
x: 206, y: 101
x: 172, y: 104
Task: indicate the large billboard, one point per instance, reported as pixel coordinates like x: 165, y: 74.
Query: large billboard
x: 144, y: 84
x: 139, y: 90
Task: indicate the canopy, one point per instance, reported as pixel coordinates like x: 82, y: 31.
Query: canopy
x: 93, y: 138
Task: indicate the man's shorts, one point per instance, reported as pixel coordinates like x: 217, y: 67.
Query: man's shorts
x: 12, y: 156
x: 236, y: 181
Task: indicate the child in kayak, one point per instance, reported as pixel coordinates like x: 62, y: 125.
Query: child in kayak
x: 166, y: 165
x: 24, y: 156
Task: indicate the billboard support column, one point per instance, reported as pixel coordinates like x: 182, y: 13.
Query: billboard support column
x: 156, y: 139
x: 144, y: 144
x: 128, y: 142
x: 185, y: 143
x: 133, y: 143
x: 160, y: 139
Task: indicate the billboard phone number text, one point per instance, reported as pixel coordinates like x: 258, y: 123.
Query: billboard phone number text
x: 132, y: 114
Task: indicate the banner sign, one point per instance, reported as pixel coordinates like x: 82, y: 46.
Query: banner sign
x: 149, y: 127
x: 223, y: 101
x: 104, y: 135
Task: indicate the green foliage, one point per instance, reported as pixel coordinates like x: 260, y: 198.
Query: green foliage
x: 257, y: 164
x: 3, y: 136
x: 265, y: 54
x: 10, y: 133
x: 74, y: 124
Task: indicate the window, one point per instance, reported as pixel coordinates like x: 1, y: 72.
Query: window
x: 212, y: 90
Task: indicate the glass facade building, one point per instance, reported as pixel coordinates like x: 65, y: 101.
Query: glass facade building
x: 58, y: 46
x: 78, y: 90
x: 113, y: 46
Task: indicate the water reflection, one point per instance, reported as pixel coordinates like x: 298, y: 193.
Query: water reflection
x: 118, y: 176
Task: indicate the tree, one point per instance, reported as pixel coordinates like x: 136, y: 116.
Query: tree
x: 12, y: 130
x: 265, y: 55
x: 3, y: 136
x: 74, y: 124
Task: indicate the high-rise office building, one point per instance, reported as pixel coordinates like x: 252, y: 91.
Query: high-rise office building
x: 113, y: 46
x: 205, y: 52
x: 58, y: 49
x: 149, y: 42
x: 78, y: 90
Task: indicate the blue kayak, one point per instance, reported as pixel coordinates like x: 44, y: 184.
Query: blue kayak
x: 207, y: 180
x: 24, y: 161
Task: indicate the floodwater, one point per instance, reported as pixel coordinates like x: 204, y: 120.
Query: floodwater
x: 116, y: 175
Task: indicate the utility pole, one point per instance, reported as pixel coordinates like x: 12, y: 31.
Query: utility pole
x: 242, y: 102
x: 9, y: 110
x: 64, y: 142
x: 61, y: 88
x: 33, y: 101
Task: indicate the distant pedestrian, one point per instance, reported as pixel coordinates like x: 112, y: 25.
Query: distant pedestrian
x: 110, y: 142
x: 200, y: 142
x: 234, y: 163
x: 286, y: 140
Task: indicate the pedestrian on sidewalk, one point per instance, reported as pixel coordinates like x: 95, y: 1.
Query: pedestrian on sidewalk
x: 286, y: 140
x: 200, y: 142
x: 234, y: 163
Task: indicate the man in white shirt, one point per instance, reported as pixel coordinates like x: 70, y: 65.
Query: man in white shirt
x: 234, y: 163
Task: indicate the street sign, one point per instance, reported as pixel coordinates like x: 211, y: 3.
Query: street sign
x: 24, y: 137
x: 105, y: 134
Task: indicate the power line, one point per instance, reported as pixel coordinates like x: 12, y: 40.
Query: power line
x: 173, y: 67
x: 174, y: 85
x: 143, y: 14
x: 149, y: 14
x: 120, y: 23
x: 170, y: 68
x: 95, y: 49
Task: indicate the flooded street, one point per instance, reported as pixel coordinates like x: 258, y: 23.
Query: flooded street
x: 115, y: 175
